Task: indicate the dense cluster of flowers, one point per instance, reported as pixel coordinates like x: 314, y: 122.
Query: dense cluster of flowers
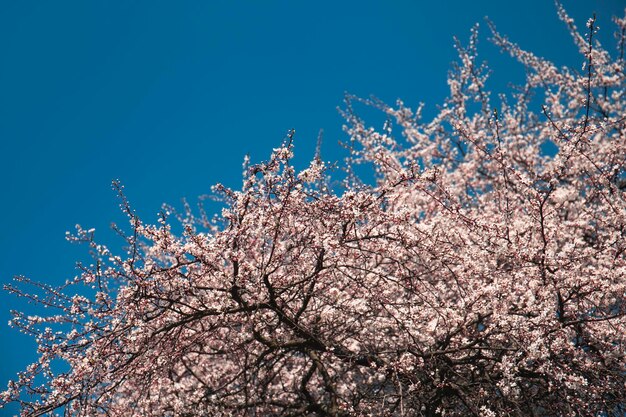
x: 477, y: 276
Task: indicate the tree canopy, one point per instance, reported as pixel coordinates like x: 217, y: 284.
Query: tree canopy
x: 477, y: 274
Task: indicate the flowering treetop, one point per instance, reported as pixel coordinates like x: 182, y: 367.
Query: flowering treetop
x: 477, y: 276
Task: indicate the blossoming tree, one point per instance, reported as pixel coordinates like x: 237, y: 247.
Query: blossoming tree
x: 476, y: 276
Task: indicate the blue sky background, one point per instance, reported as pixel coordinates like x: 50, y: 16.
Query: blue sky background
x: 169, y: 97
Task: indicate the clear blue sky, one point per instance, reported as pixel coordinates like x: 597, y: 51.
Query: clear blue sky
x: 169, y: 97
